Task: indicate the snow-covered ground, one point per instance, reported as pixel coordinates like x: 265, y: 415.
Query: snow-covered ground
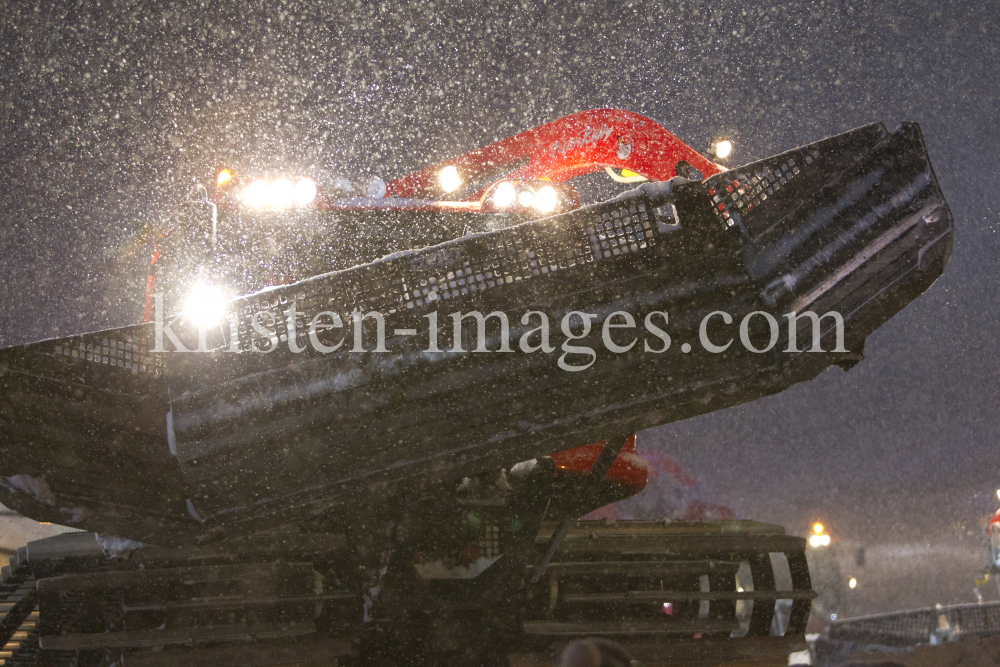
x: 895, y: 576
x: 16, y: 531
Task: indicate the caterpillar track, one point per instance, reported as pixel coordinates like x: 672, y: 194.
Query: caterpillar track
x: 704, y: 593
x: 691, y: 592
x: 18, y: 614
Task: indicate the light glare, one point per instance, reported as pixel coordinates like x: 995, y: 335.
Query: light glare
x: 546, y: 199
x: 450, y: 179
x: 853, y: 583
x: 525, y: 198
x: 282, y: 193
x: 504, y: 195
x: 723, y: 148
x: 204, y: 305
x: 257, y: 193
x: 224, y: 177
x: 819, y: 541
x: 305, y: 192
x: 818, y: 528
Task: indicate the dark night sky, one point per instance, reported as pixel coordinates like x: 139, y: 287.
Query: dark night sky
x: 108, y: 111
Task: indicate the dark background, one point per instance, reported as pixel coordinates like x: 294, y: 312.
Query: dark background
x: 108, y: 111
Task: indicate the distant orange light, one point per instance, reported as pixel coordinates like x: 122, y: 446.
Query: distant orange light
x: 818, y: 528
x: 224, y: 177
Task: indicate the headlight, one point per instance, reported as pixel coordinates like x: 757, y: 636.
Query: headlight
x: 375, y: 188
x: 532, y: 198
x: 258, y: 193
x: 819, y: 540
x: 723, y: 148
x: 282, y: 193
x: 205, y: 305
x: 504, y: 195
x: 450, y: 180
x: 305, y: 191
x: 547, y: 199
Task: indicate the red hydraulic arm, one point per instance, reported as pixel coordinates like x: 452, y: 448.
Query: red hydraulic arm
x: 577, y: 144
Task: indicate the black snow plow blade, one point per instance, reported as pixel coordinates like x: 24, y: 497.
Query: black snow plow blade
x: 102, y: 432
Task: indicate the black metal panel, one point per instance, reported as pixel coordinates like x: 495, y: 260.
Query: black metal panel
x: 254, y: 250
x: 84, y: 434
x: 757, y: 196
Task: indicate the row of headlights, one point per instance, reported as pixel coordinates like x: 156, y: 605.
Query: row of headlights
x: 543, y: 200
x: 280, y: 193
x: 506, y: 193
x: 205, y: 302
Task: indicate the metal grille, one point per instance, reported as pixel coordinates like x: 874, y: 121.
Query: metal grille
x: 128, y: 350
x: 736, y: 193
x: 466, y: 267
